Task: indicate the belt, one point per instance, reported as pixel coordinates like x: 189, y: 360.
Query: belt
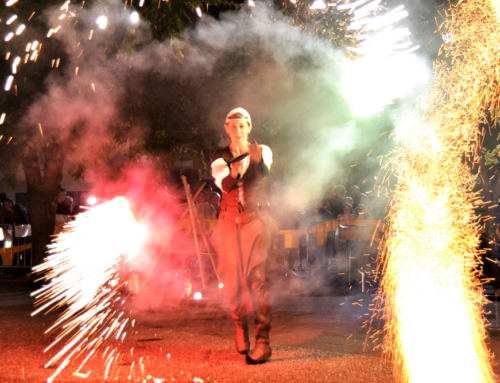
x: 243, y: 217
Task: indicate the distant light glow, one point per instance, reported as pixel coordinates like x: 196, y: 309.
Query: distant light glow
x: 2, y: 118
x: 102, y: 21
x: 11, y: 19
x: 141, y: 3
x: 34, y: 45
x: 10, y: 2
x: 9, y: 36
x: 91, y: 201
x: 134, y: 17
x: 251, y: 3
x: 221, y: 285
x: 198, y: 11
x: 197, y: 295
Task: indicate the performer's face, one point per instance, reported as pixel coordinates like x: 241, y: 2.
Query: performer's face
x: 238, y: 131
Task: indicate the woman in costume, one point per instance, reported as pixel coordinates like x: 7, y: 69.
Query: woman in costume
x: 244, y: 233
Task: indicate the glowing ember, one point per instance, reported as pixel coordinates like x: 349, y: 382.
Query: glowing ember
x: 8, y: 82
x: 197, y: 295
x: 433, y: 298
x: 83, y: 276
x: 102, y: 21
x: 11, y: 19
x: 134, y: 17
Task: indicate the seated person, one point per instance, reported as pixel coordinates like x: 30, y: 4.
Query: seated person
x: 361, y: 213
x: 13, y: 214
x: 347, y: 214
x: 318, y: 213
x: 215, y: 201
x: 337, y: 203
x: 204, y: 208
x: 61, y: 207
x: 354, y: 194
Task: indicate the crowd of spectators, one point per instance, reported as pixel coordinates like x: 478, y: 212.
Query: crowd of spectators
x: 336, y: 204
x: 207, y: 203
x: 12, y: 213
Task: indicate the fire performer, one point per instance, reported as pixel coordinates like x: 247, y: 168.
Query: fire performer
x: 244, y: 233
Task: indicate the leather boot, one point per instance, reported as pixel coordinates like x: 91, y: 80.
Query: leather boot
x: 242, y: 341
x: 262, y: 350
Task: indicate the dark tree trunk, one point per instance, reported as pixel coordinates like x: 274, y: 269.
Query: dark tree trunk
x: 43, y: 188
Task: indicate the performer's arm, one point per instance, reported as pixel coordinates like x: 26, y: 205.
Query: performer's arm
x: 266, y: 159
x: 225, y: 178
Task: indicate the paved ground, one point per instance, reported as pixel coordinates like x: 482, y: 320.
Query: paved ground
x: 314, y: 339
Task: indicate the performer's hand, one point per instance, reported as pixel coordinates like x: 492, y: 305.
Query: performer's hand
x: 235, y: 168
x: 255, y: 152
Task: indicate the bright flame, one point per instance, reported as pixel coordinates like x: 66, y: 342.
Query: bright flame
x: 91, y: 201
x: 82, y: 271
x: 431, y: 291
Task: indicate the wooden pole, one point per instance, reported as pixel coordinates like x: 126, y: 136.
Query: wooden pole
x: 193, y: 222
x: 205, y: 241
x: 167, y: 240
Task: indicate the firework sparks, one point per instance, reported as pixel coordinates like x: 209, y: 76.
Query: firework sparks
x: 432, y: 295
x: 384, y: 68
x: 83, y: 275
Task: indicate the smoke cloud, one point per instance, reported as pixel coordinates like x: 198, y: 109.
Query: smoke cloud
x: 117, y: 91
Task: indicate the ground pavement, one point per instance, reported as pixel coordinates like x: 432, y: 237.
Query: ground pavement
x: 314, y: 339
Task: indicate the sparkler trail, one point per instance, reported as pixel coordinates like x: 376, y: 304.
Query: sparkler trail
x: 84, y: 276
x: 431, y: 291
